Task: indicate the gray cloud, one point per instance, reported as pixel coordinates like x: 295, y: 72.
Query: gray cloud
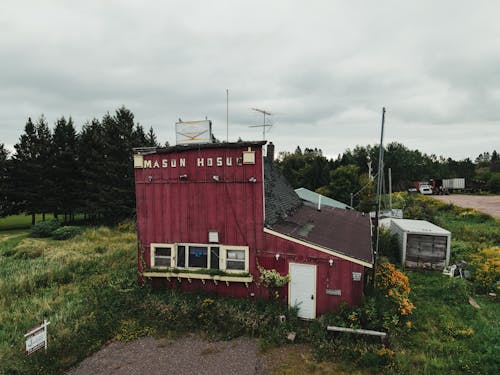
x: 325, y: 69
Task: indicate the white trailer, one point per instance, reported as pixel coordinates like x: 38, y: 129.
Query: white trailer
x: 422, y: 244
x: 454, y: 183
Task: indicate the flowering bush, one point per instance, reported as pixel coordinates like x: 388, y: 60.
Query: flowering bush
x: 486, y: 269
x: 394, y: 286
x: 272, y: 278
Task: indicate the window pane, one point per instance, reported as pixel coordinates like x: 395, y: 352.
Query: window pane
x: 235, y: 265
x: 162, y: 261
x: 236, y: 254
x: 214, y: 258
x: 198, y: 256
x: 181, y: 256
x: 162, y: 251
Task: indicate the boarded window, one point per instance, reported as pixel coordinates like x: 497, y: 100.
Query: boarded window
x: 163, y: 256
x: 235, y: 260
x: 198, y: 256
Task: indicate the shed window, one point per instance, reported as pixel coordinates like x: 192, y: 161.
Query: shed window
x: 198, y: 256
x: 235, y: 260
x: 162, y: 256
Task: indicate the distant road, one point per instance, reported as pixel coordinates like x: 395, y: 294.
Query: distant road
x: 487, y: 204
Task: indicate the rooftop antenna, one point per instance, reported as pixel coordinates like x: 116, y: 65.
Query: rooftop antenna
x: 264, y: 125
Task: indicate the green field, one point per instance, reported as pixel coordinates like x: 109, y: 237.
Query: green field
x: 87, y: 288
x: 23, y: 221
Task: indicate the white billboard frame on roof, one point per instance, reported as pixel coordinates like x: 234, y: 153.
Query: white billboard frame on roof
x: 193, y: 132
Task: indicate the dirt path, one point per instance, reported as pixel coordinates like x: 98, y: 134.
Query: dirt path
x: 483, y: 203
x: 185, y: 355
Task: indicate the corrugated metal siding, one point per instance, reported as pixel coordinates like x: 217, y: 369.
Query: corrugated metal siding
x: 173, y: 210
x: 424, y: 251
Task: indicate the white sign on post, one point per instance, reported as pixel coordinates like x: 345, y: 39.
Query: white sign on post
x: 36, y: 338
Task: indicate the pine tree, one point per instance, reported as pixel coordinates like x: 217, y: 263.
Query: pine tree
x: 91, y: 152
x: 65, y: 168
x: 24, y: 172
x: 5, y: 206
x: 118, y: 190
x: 151, y: 140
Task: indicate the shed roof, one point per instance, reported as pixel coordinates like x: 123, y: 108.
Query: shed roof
x: 345, y: 232
x: 313, y: 197
x: 419, y: 226
x: 280, y: 198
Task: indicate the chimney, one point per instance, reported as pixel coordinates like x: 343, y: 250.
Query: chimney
x: 270, y: 152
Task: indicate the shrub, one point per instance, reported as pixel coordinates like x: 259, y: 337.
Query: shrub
x: 272, y: 278
x: 486, y: 269
x: 44, y: 228
x: 388, y: 245
x: 394, y: 286
x: 65, y: 233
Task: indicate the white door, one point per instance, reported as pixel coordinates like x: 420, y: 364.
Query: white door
x: 302, y: 289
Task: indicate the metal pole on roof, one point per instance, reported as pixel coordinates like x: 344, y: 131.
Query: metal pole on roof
x: 379, y: 188
x: 227, y: 115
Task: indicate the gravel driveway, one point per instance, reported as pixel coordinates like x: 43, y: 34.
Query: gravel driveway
x: 186, y: 355
x: 489, y: 204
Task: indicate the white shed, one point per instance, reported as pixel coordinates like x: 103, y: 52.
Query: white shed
x: 422, y: 244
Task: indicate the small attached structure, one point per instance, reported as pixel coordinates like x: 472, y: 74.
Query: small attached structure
x: 422, y: 244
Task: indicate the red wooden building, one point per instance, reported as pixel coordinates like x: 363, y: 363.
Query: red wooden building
x: 208, y: 214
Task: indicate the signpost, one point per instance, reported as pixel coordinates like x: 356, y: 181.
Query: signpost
x: 36, y: 338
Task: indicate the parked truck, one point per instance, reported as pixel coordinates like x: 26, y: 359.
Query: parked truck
x: 439, y: 186
x: 454, y: 184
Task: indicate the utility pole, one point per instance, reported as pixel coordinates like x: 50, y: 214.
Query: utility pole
x: 379, y: 188
x: 264, y: 125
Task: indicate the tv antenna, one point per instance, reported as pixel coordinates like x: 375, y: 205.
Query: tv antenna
x: 264, y: 125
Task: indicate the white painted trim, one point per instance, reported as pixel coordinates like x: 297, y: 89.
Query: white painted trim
x: 199, y: 276
x: 319, y: 248
x: 315, y: 284
x: 222, y: 255
x: 152, y: 251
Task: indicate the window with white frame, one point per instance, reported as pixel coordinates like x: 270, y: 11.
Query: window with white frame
x: 235, y: 260
x: 200, y: 256
x: 161, y: 255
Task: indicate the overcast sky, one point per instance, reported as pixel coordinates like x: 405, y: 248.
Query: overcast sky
x: 324, y: 69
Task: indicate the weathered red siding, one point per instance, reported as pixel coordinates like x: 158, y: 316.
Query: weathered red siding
x: 174, y: 210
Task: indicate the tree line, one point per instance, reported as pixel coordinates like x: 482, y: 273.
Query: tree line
x: 354, y: 171
x: 64, y: 172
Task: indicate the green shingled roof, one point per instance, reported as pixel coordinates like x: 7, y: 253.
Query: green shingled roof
x: 311, y: 196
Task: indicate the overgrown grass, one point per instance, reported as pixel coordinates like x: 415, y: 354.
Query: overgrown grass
x: 86, y: 286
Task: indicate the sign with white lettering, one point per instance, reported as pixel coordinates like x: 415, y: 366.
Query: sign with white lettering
x: 36, y: 338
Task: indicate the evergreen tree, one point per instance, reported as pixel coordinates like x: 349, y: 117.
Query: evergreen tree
x: 118, y: 188
x: 151, y: 140
x: 5, y: 206
x: 92, y: 163
x: 24, y: 172
x: 65, y: 168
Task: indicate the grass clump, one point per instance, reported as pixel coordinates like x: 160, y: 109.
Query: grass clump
x: 65, y: 233
x: 44, y: 228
